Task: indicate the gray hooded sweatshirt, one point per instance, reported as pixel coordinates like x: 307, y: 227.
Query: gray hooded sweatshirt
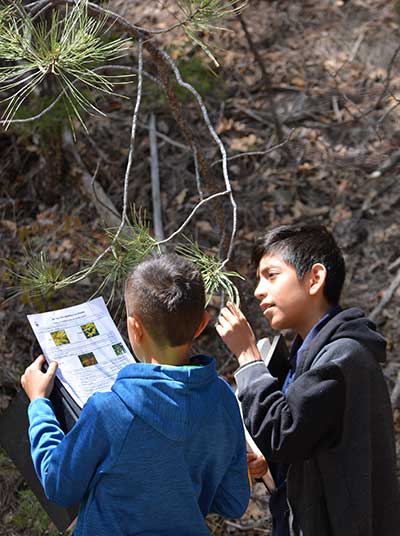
x: 334, y: 429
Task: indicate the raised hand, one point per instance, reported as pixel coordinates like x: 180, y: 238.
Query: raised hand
x: 237, y: 334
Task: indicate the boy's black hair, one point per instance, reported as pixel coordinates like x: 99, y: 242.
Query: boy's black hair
x: 167, y: 293
x: 302, y: 246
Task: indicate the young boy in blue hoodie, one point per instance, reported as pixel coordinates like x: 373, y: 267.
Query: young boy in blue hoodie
x: 325, y: 427
x: 166, y: 446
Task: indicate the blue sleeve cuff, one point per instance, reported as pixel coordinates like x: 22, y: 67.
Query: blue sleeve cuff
x: 40, y: 406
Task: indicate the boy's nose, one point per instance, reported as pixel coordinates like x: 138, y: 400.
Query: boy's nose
x: 259, y: 291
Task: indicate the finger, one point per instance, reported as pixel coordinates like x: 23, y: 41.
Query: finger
x: 254, y: 465
x: 251, y: 457
x: 236, y: 311
x: 233, y: 308
x: 228, y: 315
x: 51, y: 371
x: 38, y: 363
x: 220, y: 330
x: 223, y: 322
x: 224, y: 311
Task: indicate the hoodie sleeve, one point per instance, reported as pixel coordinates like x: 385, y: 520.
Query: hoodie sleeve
x: 66, y: 464
x: 233, y: 493
x: 288, y: 428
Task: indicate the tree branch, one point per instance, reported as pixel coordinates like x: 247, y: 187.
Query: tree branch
x: 155, y: 180
x: 386, y: 297
x: 267, y: 82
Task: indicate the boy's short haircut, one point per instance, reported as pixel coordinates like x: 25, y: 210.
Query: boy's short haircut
x: 302, y: 246
x: 167, y: 293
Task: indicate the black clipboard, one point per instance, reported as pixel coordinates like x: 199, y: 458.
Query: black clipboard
x: 14, y: 440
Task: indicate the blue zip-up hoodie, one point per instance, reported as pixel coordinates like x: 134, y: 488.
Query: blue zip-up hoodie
x: 154, y: 456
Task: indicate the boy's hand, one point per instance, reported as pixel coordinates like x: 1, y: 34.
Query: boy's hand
x: 237, y: 334
x: 257, y: 465
x: 38, y: 384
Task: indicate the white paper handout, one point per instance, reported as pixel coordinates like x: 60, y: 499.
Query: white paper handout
x: 86, y: 344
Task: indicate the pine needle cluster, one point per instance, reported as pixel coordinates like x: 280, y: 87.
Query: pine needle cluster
x: 128, y: 249
x: 40, y: 277
x: 216, y: 280
x: 203, y: 16
x: 70, y: 47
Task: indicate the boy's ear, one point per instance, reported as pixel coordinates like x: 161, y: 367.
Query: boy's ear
x: 317, y: 278
x: 135, y: 328
x: 203, y: 323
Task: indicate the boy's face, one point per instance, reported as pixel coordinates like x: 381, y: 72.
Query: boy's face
x: 285, y: 300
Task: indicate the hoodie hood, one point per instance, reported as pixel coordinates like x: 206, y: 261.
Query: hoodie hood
x: 348, y: 324
x: 171, y: 399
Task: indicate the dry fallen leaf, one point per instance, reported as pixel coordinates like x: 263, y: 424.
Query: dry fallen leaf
x: 245, y: 144
x: 224, y: 125
x: 298, y: 82
x: 179, y: 199
x: 204, y: 226
x: 9, y: 224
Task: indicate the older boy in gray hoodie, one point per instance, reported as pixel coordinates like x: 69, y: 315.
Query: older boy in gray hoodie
x: 326, y: 426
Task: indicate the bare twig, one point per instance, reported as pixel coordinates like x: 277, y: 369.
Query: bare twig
x: 104, y: 205
x: 243, y: 528
x: 356, y: 46
x: 267, y: 82
x: 38, y: 116
x: 335, y: 107
x: 155, y: 181
x: 388, y: 75
x: 259, y: 153
x: 386, y: 297
x: 166, y: 138
x: 102, y: 156
x: 133, y: 135
x: 109, y: 206
x: 394, y: 264
x: 197, y: 173
x: 196, y: 208
x: 388, y: 112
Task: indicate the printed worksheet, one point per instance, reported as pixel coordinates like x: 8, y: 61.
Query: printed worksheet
x: 86, y: 344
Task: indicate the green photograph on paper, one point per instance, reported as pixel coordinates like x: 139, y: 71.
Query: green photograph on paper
x: 90, y: 330
x: 118, y: 348
x: 59, y: 337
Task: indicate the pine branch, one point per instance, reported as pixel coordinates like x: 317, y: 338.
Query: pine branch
x: 68, y: 48
x: 216, y: 280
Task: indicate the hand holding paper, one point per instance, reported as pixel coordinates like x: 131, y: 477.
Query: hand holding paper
x: 38, y: 384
